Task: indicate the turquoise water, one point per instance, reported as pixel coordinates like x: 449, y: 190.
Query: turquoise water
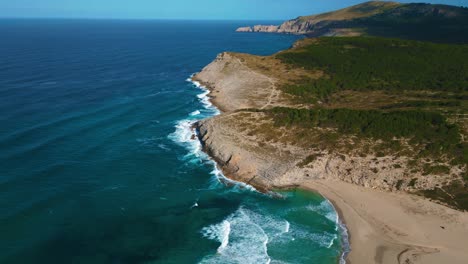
x: 97, y: 164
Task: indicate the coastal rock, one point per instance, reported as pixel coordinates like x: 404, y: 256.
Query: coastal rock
x: 263, y: 162
x: 268, y: 29
x: 230, y: 81
x: 244, y: 29
x: 259, y: 28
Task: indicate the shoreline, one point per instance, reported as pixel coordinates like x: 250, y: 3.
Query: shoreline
x: 382, y: 227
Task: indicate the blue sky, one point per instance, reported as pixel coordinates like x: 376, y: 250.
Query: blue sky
x: 179, y: 9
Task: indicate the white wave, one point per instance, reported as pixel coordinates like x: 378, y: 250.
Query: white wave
x: 324, y: 239
x: 346, y: 248
x: 244, y: 237
x: 195, y: 113
x: 287, y: 227
x: 332, y: 215
x: 326, y: 208
x: 163, y: 147
x: 185, y: 135
x: 332, y: 241
x: 225, y: 235
x: 205, y: 98
x: 250, y: 233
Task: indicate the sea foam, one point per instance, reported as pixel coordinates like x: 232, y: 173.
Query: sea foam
x: 185, y: 135
x: 244, y: 237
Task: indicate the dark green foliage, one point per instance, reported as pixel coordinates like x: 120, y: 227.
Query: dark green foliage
x: 437, y: 169
x: 422, y: 104
x: 399, y: 184
x: 458, y: 197
x: 419, y: 22
x: 311, y: 90
x: 422, y: 128
x: 371, y: 63
x: 412, y: 183
x: 436, y: 23
x: 309, y: 159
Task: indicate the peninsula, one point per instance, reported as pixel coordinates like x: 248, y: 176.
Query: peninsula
x: 376, y: 125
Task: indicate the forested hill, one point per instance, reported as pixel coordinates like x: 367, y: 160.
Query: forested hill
x: 440, y: 23
x: 437, y: 23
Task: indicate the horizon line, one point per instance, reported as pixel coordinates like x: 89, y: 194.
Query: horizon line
x: 137, y: 19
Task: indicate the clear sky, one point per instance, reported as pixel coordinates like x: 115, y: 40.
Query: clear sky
x: 179, y: 9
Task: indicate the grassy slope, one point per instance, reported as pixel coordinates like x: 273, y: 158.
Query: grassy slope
x: 427, y: 84
x: 358, y: 11
x: 437, y: 23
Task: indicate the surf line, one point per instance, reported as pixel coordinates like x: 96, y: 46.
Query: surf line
x: 197, y: 116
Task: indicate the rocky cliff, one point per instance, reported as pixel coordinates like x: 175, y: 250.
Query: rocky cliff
x: 381, y: 18
x: 247, y: 150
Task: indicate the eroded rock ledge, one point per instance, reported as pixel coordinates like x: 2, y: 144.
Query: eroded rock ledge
x: 246, y: 151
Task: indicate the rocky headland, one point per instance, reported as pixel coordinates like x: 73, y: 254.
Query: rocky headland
x: 374, y: 190
x: 380, y: 18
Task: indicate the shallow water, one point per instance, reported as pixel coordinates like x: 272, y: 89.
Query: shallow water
x: 97, y: 164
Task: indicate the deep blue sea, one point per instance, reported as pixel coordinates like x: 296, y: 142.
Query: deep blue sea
x: 97, y: 164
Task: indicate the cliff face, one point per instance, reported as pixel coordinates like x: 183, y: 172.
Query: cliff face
x: 247, y: 154
x: 231, y: 82
x: 318, y: 23
x: 380, y: 18
x: 244, y: 29
x: 290, y: 27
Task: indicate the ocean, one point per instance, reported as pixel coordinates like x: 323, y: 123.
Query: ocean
x: 97, y: 161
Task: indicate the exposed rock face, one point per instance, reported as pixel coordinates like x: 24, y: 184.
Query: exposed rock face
x: 295, y: 26
x: 244, y: 29
x: 248, y: 157
x: 299, y: 26
x: 291, y: 27
x: 268, y: 29
x: 259, y: 28
x: 231, y: 82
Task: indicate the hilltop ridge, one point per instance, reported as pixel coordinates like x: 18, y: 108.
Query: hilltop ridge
x: 432, y: 22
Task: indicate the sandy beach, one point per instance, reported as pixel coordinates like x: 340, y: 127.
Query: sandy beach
x: 396, y: 228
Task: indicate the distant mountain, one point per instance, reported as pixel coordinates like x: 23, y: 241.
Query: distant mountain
x: 440, y: 23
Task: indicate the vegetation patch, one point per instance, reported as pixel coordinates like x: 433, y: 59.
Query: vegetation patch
x: 430, y: 132
x: 378, y: 64
x: 435, y: 169
x: 455, y: 194
x: 309, y: 159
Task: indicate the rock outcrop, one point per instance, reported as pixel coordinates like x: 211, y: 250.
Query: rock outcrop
x: 231, y: 80
x: 267, y: 29
x: 244, y: 29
